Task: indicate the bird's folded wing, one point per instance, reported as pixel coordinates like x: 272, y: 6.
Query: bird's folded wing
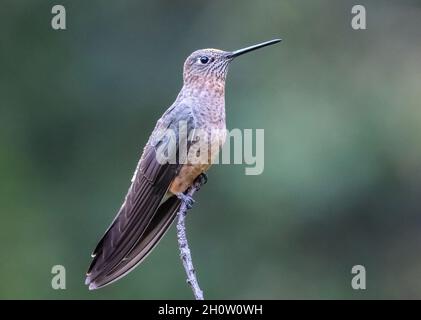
x: 132, y: 234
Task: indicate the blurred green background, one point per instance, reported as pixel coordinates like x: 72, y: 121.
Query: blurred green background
x: 342, y: 117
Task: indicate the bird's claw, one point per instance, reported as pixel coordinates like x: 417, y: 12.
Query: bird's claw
x: 186, y: 199
x: 202, y: 179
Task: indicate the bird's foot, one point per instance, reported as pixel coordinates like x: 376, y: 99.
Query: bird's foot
x: 186, y: 199
x: 201, y: 180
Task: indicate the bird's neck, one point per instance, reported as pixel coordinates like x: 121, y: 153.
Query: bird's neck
x: 207, y: 100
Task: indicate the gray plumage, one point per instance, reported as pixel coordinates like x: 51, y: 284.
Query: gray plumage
x: 152, y: 201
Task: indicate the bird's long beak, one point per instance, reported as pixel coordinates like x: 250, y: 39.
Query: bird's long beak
x: 239, y: 52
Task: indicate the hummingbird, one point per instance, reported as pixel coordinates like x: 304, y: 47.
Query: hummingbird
x: 158, y: 189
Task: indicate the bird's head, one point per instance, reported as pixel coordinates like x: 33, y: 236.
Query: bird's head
x: 212, y: 64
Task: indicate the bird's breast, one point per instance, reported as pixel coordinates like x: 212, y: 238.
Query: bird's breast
x: 204, y: 150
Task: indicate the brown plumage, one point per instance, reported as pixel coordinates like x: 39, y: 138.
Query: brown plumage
x: 153, y: 198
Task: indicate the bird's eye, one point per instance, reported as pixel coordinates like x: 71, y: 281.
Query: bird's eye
x: 204, y: 60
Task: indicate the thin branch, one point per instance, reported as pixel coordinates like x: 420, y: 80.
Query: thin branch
x: 183, y: 245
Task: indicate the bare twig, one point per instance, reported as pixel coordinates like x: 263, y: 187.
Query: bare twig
x: 183, y: 245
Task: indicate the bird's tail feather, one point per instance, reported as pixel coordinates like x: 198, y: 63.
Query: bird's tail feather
x: 159, y: 224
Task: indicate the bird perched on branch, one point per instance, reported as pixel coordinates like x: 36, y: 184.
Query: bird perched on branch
x: 158, y: 187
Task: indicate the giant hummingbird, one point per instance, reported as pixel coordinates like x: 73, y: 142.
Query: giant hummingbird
x: 158, y: 188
